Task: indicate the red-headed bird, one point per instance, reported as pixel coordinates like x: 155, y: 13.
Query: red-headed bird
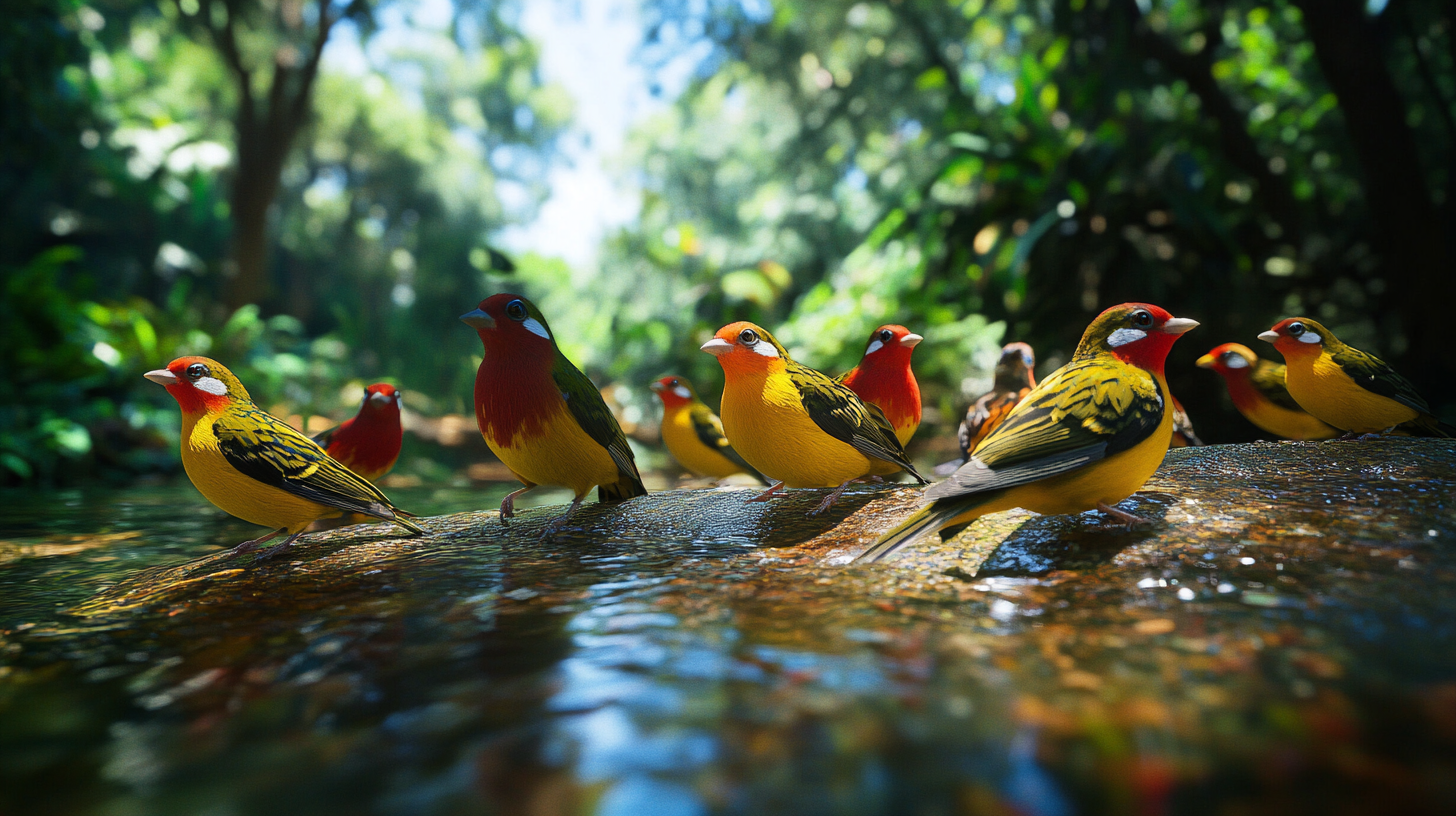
x: 257, y: 467
x: 540, y: 415
x: 1346, y: 387
x: 1086, y: 438
x: 794, y: 424
x: 883, y: 378
x: 368, y: 443
x: 1258, y: 391
x: 693, y: 434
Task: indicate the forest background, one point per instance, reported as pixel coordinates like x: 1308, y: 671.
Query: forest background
x: 200, y: 176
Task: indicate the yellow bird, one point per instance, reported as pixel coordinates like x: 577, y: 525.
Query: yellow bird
x: 796, y: 425
x: 693, y: 434
x: 255, y: 466
x: 1085, y: 438
x: 1346, y: 387
x: 1258, y: 391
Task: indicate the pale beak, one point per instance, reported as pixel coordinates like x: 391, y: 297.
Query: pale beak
x: 1178, y: 325
x: 911, y: 340
x: 162, y: 377
x: 1206, y: 361
x: 717, y: 347
x: 478, y: 320
x: 383, y: 399
x: 656, y: 387
x: 1269, y: 336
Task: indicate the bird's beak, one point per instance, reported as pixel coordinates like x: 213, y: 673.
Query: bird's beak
x: 162, y: 377
x: 911, y: 340
x: 1206, y: 361
x: 383, y: 399
x: 717, y: 347
x: 1178, y: 325
x: 478, y: 320
x: 1270, y: 336
x: 655, y: 388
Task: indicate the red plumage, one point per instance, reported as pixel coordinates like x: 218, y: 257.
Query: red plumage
x: 883, y: 377
x: 368, y: 443
x: 515, y: 392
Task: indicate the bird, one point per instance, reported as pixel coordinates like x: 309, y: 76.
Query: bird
x: 254, y: 465
x: 883, y: 378
x: 541, y: 416
x: 368, y: 443
x: 1015, y: 376
x: 1085, y: 438
x: 693, y: 434
x: 1183, y: 433
x: 1347, y: 388
x: 796, y: 425
x: 1258, y: 391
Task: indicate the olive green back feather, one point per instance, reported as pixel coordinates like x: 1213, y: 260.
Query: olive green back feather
x: 585, y: 403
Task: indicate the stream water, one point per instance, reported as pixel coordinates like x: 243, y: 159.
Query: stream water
x: 1286, y: 670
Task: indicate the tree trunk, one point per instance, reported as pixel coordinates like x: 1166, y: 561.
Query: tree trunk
x: 255, y: 185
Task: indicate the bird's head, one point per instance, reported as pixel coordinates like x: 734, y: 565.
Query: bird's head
x: 674, y: 392
x: 1229, y: 359
x: 1139, y: 334
x: 510, y: 324
x: 1014, y: 369
x: 1298, y: 336
x: 199, y: 384
x: 381, y: 397
x: 890, y: 345
x: 743, y: 347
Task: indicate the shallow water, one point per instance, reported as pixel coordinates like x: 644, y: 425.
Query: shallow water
x: 1306, y: 666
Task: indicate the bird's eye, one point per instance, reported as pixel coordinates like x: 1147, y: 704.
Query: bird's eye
x: 886, y: 335
x: 1142, y: 318
x: 516, y: 310
x: 1295, y: 329
x: 197, y: 371
x: 748, y: 337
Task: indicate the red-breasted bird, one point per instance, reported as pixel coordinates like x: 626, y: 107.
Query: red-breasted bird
x: 1015, y: 376
x: 1087, y: 437
x: 255, y: 466
x: 368, y: 443
x: 883, y: 378
x: 1183, y: 433
x: 794, y: 424
x: 1258, y: 391
x: 693, y: 434
x: 1346, y: 387
x: 540, y: 415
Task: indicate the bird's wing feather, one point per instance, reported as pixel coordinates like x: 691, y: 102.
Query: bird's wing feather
x: 841, y: 414
x: 985, y: 415
x: 324, y: 438
x: 585, y: 403
x: 1268, y: 379
x: 1372, y: 374
x: 1087, y: 410
x: 265, y: 448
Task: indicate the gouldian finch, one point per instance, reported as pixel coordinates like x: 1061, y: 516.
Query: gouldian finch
x: 540, y: 415
x: 1257, y: 389
x: 1087, y: 437
x: 794, y: 424
x: 368, y: 443
x: 1015, y: 376
x: 255, y: 466
x: 883, y: 378
x: 1346, y: 387
x: 694, y: 435
x: 1183, y: 433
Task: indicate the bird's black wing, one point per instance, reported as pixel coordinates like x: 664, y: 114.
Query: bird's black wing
x: 840, y: 413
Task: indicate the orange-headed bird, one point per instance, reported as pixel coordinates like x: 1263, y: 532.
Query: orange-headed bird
x: 794, y: 424
x: 368, y: 443
x: 1087, y: 437
x: 883, y: 378
x: 257, y: 467
x: 1258, y: 391
x: 693, y: 434
x: 1346, y: 387
x: 540, y: 415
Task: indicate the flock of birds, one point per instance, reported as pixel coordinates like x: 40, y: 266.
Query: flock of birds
x: 1086, y: 437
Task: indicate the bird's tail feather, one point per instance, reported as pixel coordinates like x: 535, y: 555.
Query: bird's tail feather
x: 623, y: 489
x: 925, y: 522
x: 1427, y: 425
x: 403, y: 519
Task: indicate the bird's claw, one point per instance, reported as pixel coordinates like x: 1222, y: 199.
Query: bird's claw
x: 1125, y: 517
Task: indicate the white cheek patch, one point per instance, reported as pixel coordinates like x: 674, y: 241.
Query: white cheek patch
x: 874, y: 347
x: 211, y: 385
x: 764, y: 348
x: 1236, y: 362
x: 534, y: 327
x: 1122, y: 337
x: 1309, y: 337
x: 682, y: 392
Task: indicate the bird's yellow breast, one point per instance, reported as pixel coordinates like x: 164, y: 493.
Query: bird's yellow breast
x: 1282, y: 422
x: 765, y: 421
x: 1322, y: 388
x: 239, y: 494
x: 560, y: 455
x: 682, y: 441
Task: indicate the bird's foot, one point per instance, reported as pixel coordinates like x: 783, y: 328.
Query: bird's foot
x: 768, y: 494
x: 560, y: 521
x: 249, y: 546
x: 279, y: 547
x: 508, y: 504
x: 1122, y: 515
x: 829, y: 500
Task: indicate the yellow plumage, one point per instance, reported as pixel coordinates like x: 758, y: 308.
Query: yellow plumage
x: 561, y: 454
x: 1322, y: 387
x: 680, y: 435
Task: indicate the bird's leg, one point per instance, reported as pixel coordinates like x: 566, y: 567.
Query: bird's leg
x: 249, y: 546
x: 831, y: 498
x: 1122, y: 515
x: 1375, y: 435
x: 278, y: 548
x: 560, y: 520
x: 508, y: 504
x: 767, y: 494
